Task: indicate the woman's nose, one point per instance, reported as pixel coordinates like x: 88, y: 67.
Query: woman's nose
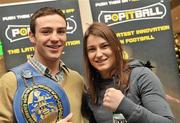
x: 99, y: 53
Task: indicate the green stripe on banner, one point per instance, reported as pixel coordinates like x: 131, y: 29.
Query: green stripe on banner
x: 1, y: 49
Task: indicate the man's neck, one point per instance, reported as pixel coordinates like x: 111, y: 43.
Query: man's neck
x: 53, y: 66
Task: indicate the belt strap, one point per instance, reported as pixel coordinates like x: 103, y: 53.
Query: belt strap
x: 37, y: 96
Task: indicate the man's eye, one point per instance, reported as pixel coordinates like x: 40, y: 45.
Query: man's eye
x: 46, y: 32
x: 62, y: 31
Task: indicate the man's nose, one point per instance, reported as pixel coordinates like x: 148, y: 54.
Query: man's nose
x: 54, y: 36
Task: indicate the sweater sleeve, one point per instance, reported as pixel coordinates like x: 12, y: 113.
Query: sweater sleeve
x: 8, y: 86
x: 154, y: 107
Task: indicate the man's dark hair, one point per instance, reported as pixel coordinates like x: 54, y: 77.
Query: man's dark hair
x: 43, y: 12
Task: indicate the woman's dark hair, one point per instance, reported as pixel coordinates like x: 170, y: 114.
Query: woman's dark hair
x: 105, y: 32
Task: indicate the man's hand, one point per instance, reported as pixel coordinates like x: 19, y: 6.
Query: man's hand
x: 67, y: 119
x: 52, y: 117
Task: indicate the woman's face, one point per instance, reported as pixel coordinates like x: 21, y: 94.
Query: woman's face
x: 100, y: 55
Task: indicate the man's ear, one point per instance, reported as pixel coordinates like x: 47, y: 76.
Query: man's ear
x: 32, y: 37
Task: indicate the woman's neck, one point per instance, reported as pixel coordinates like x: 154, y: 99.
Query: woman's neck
x: 105, y: 75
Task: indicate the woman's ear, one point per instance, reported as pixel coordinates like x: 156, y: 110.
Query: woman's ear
x: 32, y: 37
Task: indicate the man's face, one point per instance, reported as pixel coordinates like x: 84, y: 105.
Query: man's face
x: 49, y: 38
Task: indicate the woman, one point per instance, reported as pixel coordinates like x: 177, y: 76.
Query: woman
x: 115, y: 85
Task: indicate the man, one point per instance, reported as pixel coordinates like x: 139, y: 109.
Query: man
x: 43, y: 85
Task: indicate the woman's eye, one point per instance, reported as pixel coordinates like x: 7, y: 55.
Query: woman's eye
x: 91, y: 49
x: 105, y: 46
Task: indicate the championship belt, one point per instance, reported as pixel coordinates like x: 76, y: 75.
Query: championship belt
x: 37, y: 96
